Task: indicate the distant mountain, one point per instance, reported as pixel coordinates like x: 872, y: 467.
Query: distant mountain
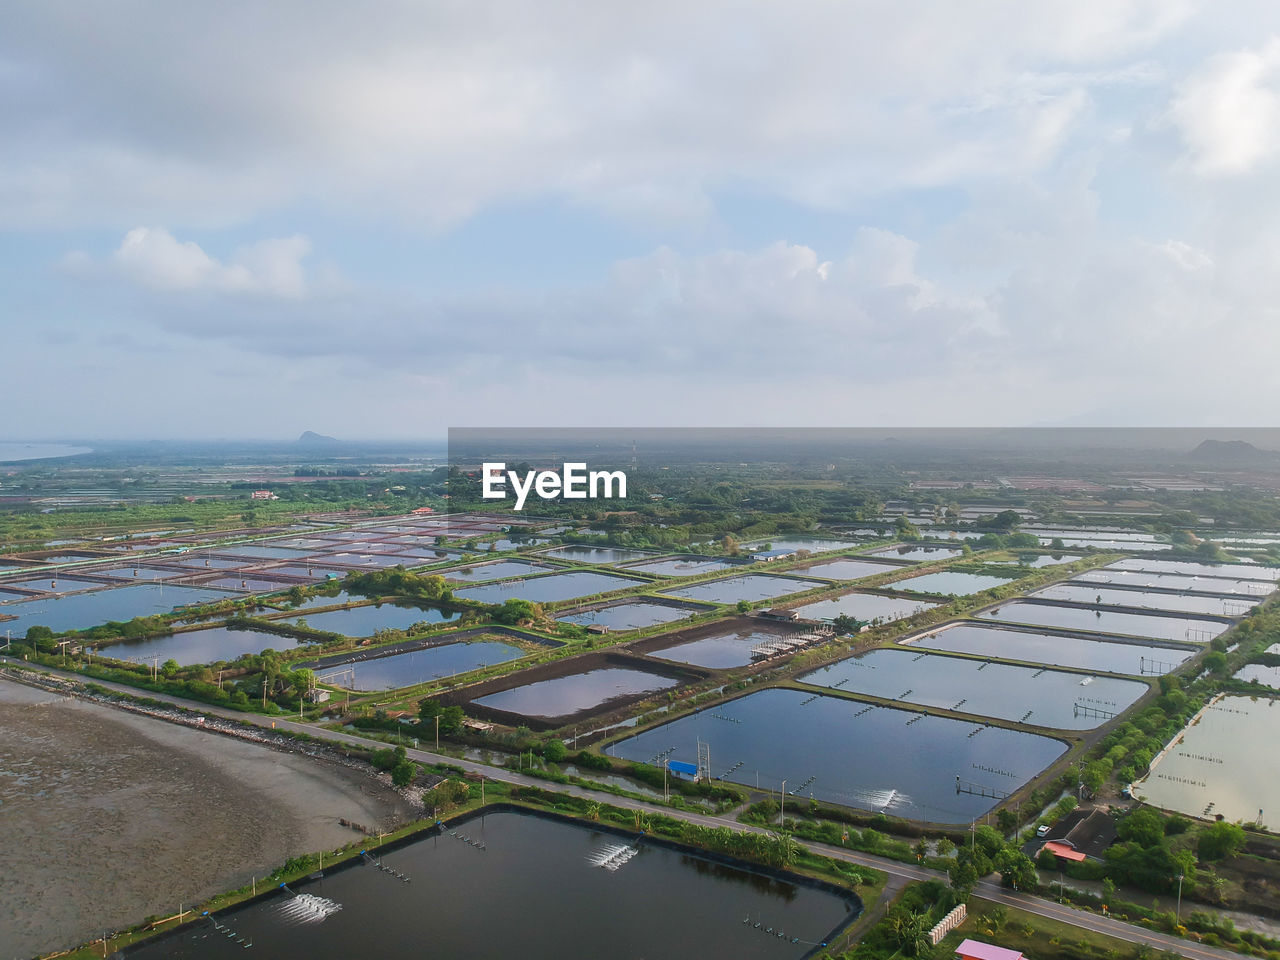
x: 1233, y: 452
x: 310, y: 439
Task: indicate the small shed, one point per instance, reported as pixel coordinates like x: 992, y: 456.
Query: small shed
x: 977, y: 950
x: 767, y: 555
x: 680, y: 766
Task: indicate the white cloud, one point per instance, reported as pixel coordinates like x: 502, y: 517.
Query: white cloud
x: 1228, y: 113
x: 153, y: 257
x: 433, y: 112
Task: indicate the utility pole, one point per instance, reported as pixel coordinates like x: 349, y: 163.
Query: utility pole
x: 782, y: 807
x: 437, y: 733
x: 1178, y: 915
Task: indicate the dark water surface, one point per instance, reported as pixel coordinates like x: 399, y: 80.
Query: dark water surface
x: 842, y: 751
x: 532, y: 893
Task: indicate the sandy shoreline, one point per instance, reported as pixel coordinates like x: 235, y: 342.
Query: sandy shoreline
x: 110, y: 817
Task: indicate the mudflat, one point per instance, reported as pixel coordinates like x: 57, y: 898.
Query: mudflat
x: 109, y: 817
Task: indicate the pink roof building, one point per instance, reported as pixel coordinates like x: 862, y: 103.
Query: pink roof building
x: 977, y: 950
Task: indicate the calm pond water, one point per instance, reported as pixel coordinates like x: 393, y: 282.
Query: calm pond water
x: 917, y: 553
x: 141, y: 573
x: 584, y: 554
x: 197, y: 563
x: 200, y: 646
x: 549, y: 589
x: 498, y: 902
x: 1112, y: 656
x: 717, y: 651
x: 1224, y: 763
x: 419, y: 666
x: 840, y: 751
x: 681, y: 566
x: 1227, y: 571
x: 864, y: 607
x: 631, y: 615
x: 1181, y: 629
x: 1082, y: 533
x: 496, y: 570
x: 374, y: 561
x: 54, y: 584
x: 1089, y: 593
x: 82, y: 610
x: 812, y: 544
x: 1175, y: 581
x: 336, y: 600
x: 845, y: 569
x: 751, y: 587
x: 1044, y: 560
x: 368, y: 620
x: 1047, y: 698
x: 1258, y: 673
x: 947, y: 582
x: 244, y: 582
x: 263, y: 553
x: 562, y: 696
x: 1081, y: 543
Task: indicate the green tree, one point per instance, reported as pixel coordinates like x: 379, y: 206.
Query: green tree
x: 1006, y: 821
x: 1220, y: 840
x: 1016, y: 869
x: 1143, y: 827
x: 403, y: 772
x: 910, y: 930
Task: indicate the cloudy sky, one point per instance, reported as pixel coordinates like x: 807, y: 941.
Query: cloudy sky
x: 384, y: 219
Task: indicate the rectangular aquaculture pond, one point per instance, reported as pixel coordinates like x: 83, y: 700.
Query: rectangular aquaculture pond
x: 1032, y: 646
x: 1045, y: 698
x: 864, y: 607
x: 917, y: 553
x: 549, y: 589
x: 886, y: 759
x: 1175, y: 581
x: 367, y: 620
x: 1044, y: 560
x: 949, y: 583
x: 718, y: 646
x: 488, y: 886
x: 628, y: 615
x: 78, y: 611
x: 1224, y: 571
x: 55, y: 584
x: 581, y: 553
x: 496, y: 570
x: 374, y: 672
x: 1101, y: 620
x: 845, y: 568
x: 1181, y: 603
x: 582, y: 692
x: 1222, y: 764
x: 200, y: 646
x: 682, y: 566
x: 751, y: 587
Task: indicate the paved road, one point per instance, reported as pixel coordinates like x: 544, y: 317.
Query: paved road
x: 903, y: 871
